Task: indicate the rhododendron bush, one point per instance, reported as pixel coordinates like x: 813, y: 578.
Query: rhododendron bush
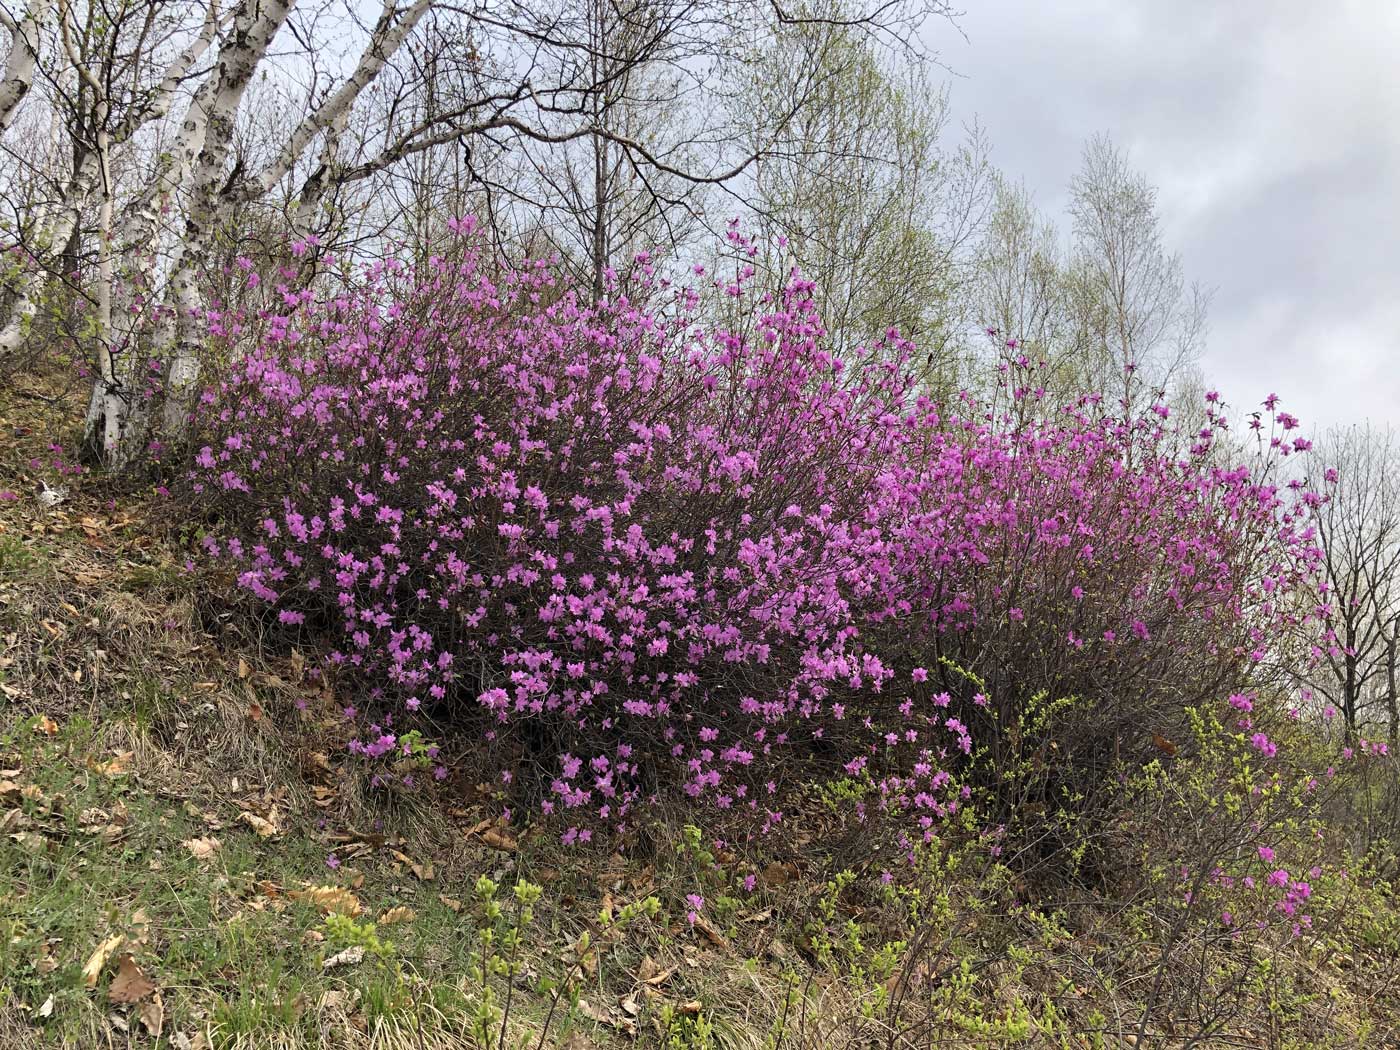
x: 634, y: 553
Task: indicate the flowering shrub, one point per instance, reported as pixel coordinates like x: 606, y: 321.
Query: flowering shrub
x: 637, y: 553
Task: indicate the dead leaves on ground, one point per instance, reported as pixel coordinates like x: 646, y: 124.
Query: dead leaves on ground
x: 265, y: 827
x: 330, y: 899
x: 349, y: 957
x: 651, y: 975
x: 119, y: 765
x: 401, y: 914
x: 203, y: 849
x: 422, y: 872
x: 496, y: 834
x: 97, y: 961
x: 131, y: 984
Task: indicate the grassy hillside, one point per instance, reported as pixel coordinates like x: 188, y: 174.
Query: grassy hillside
x: 190, y: 859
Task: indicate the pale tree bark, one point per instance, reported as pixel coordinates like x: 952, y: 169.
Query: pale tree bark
x: 206, y: 135
x: 20, y: 63
x: 56, y: 229
x: 103, y: 408
x: 56, y: 223
x: 129, y: 253
x: 392, y: 30
x: 208, y: 206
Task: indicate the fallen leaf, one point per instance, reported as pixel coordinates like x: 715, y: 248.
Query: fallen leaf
x: 330, y: 899
x: 92, y: 969
x: 779, y: 874
x: 265, y: 828
x: 140, y: 927
x: 424, y: 872
x: 255, y: 712
x: 349, y: 957
x: 319, y: 760
x: 651, y: 973
x: 152, y: 1015
x: 130, y: 985
x: 203, y: 848
x: 399, y: 914
x: 710, y: 933
x: 32, y: 841
x: 117, y: 766
x: 594, y: 1014
x: 334, y: 999
x: 499, y: 840
x: 243, y: 669
x: 452, y: 904
x: 47, y: 1009
x: 45, y: 962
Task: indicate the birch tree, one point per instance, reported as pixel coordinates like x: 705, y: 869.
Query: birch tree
x: 511, y: 79
x: 1139, y: 322
x: 110, y: 97
x: 22, y: 57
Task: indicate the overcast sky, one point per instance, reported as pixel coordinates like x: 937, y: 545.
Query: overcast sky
x: 1272, y: 130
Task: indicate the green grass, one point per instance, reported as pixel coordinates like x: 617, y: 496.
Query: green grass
x: 235, y: 955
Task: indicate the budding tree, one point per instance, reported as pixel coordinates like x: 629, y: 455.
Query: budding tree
x: 865, y: 195
x: 1139, y: 324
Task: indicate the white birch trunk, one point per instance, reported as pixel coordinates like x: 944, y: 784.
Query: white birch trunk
x: 254, y: 27
x: 389, y: 35
x: 53, y: 235
x: 56, y: 224
x: 18, y: 76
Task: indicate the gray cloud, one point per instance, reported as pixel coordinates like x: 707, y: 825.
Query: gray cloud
x: 1272, y: 129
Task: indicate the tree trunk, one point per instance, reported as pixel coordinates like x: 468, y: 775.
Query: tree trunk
x: 18, y: 76
x: 53, y: 237
x: 210, y: 124
x: 1392, y: 702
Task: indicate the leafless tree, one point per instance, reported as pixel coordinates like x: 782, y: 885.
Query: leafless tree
x: 487, y: 86
x: 1359, y: 528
